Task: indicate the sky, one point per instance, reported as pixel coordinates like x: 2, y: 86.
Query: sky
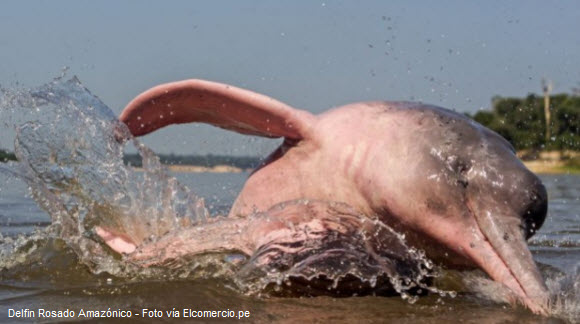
x: 312, y: 55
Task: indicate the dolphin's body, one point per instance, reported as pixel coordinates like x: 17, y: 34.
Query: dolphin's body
x: 455, y: 188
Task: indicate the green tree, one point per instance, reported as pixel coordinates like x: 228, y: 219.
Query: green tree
x: 522, y: 121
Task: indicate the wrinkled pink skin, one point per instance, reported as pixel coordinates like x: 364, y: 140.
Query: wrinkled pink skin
x: 455, y: 188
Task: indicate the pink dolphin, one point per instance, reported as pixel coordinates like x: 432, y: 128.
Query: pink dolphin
x: 454, y: 188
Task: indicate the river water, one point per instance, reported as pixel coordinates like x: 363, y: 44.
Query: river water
x: 70, y: 164
x: 61, y: 283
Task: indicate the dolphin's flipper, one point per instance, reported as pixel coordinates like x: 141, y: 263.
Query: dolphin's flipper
x: 218, y: 104
x: 117, y: 242
x: 315, y: 247
x: 219, y: 234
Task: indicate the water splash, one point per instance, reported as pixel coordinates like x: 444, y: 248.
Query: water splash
x: 566, y: 291
x: 70, y: 154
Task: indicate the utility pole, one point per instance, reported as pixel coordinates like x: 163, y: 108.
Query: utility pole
x: 547, y: 88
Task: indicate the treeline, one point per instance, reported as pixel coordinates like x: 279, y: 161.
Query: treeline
x: 6, y: 156
x: 210, y: 160
x: 522, y: 121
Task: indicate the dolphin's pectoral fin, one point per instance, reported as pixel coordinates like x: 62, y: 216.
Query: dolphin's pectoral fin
x: 117, y: 242
x: 214, y: 103
x: 218, y: 235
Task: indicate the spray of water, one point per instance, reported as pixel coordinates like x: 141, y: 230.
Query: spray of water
x: 70, y: 155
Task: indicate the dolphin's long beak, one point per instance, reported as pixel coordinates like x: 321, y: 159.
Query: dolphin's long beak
x: 498, y: 246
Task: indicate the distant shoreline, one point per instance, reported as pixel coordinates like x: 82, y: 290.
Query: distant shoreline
x: 544, y: 162
x: 551, y: 162
x: 537, y: 166
x: 550, y: 167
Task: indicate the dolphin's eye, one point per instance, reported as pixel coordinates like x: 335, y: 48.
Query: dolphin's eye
x: 460, y: 168
x: 457, y: 164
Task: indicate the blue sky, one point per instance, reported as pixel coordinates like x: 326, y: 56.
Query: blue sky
x: 310, y: 54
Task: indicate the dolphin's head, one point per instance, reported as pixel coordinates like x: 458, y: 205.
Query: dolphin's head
x: 461, y: 188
